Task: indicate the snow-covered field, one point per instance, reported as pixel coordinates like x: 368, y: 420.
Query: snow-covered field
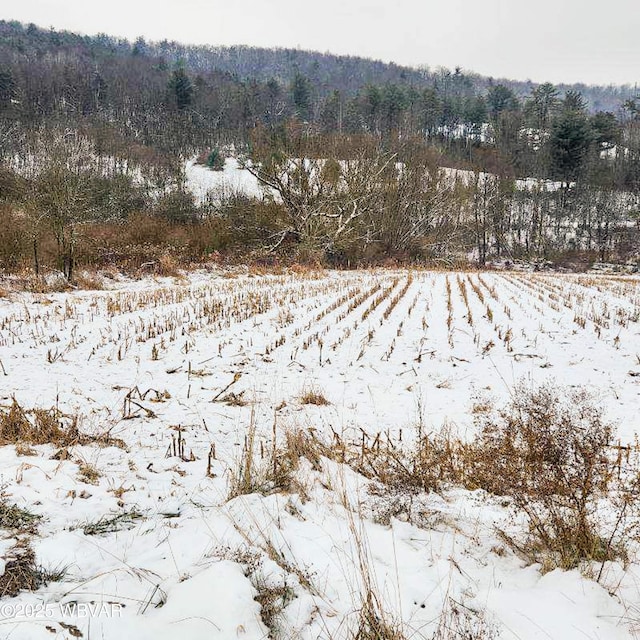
x: 182, y: 370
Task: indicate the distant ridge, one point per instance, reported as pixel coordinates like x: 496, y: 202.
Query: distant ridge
x: 327, y: 71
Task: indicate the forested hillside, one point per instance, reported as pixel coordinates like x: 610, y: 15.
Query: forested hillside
x: 363, y: 161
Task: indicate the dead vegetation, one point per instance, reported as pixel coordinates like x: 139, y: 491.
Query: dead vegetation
x: 273, y: 594
x: 551, y: 452
x: 268, y: 467
x: 88, y: 473
x: 20, y: 426
x: 315, y: 397
x: 15, y: 518
x: 460, y: 622
x: 421, y: 467
x: 111, y: 524
x: 22, y: 573
x: 374, y: 624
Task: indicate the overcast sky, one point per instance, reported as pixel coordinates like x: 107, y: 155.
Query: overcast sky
x: 591, y: 41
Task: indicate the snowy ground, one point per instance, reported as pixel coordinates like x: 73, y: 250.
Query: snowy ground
x: 391, y: 353
x: 206, y: 184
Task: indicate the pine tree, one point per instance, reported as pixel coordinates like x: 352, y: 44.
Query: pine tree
x: 571, y: 138
x: 7, y: 87
x: 301, y: 95
x: 180, y: 88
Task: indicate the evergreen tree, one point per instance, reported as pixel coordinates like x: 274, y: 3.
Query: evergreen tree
x: 431, y: 111
x: 475, y: 114
x: 606, y: 129
x: 543, y: 104
x: 373, y: 107
x: 301, y: 95
x: 570, y: 140
x: 139, y: 47
x: 7, y: 87
x: 394, y: 103
x: 499, y: 100
x: 180, y: 88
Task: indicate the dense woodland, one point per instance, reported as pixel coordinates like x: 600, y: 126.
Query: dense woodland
x: 362, y: 162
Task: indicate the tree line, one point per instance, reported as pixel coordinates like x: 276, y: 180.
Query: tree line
x: 409, y: 164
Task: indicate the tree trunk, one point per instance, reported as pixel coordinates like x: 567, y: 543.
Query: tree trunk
x: 36, y: 257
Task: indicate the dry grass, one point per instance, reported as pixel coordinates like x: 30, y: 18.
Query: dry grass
x: 111, y: 524
x: 88, y: 280
x: 233, y: 399
x: 272, y: 594
x: 273, y: 599
x: 266, y: 467
x: 37, y: 426
x: 167, y: 265
x: 374, y: 624
x: 24, y: 427
x: 459, y: 622
x: 88, y: 474
x: 21, y: 573
x: 425, y: 465
x: 313, y: 396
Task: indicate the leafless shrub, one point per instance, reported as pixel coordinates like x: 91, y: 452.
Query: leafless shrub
x: 551, y: 452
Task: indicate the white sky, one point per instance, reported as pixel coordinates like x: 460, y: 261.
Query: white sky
x: 591, y: 41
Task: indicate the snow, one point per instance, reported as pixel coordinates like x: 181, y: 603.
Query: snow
x: 207, y: 184
x: 191, y: 565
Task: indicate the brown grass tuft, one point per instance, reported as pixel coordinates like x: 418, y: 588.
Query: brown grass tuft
x: 37, y: 426
x: 21, y: 573
x: 23, y: 427
x: 268, y: 468
x: 313, y: 396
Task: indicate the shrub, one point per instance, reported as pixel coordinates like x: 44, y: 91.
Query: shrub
x: 550, y: 452
x: 177, y: 206
x: 215, y: 160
